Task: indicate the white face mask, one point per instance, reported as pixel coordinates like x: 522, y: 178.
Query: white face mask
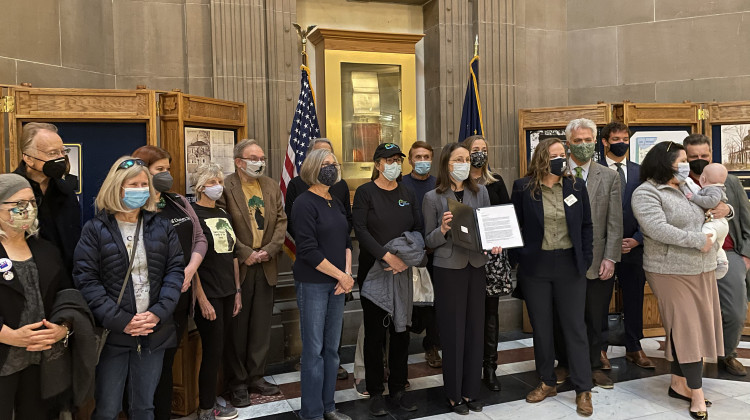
x: 391, y: 171
x: 683, y: 171
x: 213, y: 192
x: 460, y: 171
x: 254, y: 169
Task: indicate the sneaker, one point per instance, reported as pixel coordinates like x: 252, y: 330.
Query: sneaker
x: 377, y: 406
x: 240, y: 398
x: 225, y: 412
x: 361, y: 388
x: 433, y: 358
x: 206, y: 414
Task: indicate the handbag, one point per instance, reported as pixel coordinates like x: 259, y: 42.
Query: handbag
x: 616, y: 320
x: 424, y: 294
x: 499, y: 280
x: 101, y: 336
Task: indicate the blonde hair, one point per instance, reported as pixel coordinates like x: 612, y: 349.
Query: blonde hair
x: 487, y: 176
x: 203, y: 173
x: 109, y: 198
x: 311, y: 166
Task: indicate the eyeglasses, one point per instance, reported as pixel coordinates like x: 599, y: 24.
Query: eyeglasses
x: 20, y: 206
x: 394, y: 159
x: 129, y: 163
x: 335, y: 165
x: 53, y: 154
x: 460, y: 160
x: 255, y: 159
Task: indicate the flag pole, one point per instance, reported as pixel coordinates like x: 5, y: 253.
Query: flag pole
x: 476, y: 46
x: 303, y: 34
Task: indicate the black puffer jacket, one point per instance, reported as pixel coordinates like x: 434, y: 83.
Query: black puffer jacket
x: 101, y: 261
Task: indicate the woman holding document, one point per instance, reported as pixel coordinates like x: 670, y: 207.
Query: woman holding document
x: 555, y: 218
x: 459, y: 279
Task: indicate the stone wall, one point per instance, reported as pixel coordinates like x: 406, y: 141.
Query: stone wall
x: 658, y: 50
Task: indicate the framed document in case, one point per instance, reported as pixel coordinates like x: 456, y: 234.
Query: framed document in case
x: 485, y: 228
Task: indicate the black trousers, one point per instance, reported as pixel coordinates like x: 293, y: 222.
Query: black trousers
x: 632, y: 280
x: 692, y: 372
x: 556, y: 283
x: 22, y: 392
x: 491, y: 331
x: 598, y: 296
x: 212, y: 334
x: 377, y: 322
x: 423, y: 318
x: 459, y: 303
x: 163, y: 395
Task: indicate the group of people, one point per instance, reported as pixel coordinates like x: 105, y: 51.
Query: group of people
x: 115, y: 295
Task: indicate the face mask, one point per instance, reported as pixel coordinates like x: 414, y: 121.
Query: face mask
x: 328, y: 175
x: 478, y: 159
x: 54, y: 168
x: 391, y: 171
x: 557, y: 166
x: 214, y: 191
x: 683, y: 171
x: 583, y: 152
x: 22, y: 220
x: 698, y: 165
x: 254, y: 169
x: 163, y: 181
x: 422, y: 167
x: 135, y: 198
x: 460, y: 171
x: 619, y: 149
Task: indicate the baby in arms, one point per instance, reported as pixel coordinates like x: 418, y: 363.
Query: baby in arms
x: 707, y: 196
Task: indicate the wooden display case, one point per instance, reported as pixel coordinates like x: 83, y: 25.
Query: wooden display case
x: 179, y: 111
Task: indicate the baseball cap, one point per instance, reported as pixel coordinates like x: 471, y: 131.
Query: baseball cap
x: 386, y: 150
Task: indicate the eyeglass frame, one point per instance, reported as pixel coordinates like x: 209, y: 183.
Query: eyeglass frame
x: 17, y: 206
x: 129, y: 163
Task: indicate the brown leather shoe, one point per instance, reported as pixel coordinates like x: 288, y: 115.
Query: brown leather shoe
x: 584, y: 406
x: 640, y: 359
x: 733, y: 366
x: 264, y: 388
x: 433, y: 358
x: 562, y: 374
x: 541, y: 392
x: 605, y: 361
x: 602, y: 380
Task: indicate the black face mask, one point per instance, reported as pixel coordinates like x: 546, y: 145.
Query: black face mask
x: 328, y: 175
x: 163, y: 181
x: 55, y: 168
x: 557, y: 166
x: 619, y: 149
x: 698, y: 165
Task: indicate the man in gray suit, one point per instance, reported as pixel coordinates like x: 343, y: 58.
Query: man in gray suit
x: 732, y: 290
x: 603, y: 186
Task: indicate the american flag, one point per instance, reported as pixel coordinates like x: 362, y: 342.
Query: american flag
x: 304, y: 128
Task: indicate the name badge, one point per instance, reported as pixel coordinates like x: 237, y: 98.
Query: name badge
x: 570, y: 200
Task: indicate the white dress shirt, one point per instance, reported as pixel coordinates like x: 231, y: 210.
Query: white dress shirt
x: 612, y: 165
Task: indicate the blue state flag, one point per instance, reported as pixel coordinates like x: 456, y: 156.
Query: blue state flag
x: 471, y: 117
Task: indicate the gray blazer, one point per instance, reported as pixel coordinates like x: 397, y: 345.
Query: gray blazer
x: 739, y: 225
x: 671, y: 226
x: 446, y: 255
x: 603, y: 186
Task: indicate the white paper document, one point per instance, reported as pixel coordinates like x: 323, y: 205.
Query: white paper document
x: 498, y: 226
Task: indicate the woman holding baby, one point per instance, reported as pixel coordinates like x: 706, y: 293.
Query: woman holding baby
x: 679, y: 261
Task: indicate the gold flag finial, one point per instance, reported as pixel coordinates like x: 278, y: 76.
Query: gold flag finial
x: 476, y: 46
x: 303, y: 36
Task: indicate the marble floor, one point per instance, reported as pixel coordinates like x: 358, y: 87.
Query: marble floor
x: 638, y: 393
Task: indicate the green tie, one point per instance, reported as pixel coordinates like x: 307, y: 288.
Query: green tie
x: 579, y: 172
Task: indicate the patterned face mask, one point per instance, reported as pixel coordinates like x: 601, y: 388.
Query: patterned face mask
x: 478, y: 159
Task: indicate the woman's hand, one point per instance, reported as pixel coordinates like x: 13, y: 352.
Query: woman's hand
x: 395, y: 263
x: 495, y: 250
x: 45, y: 338
x: 142, y: 324
x: 345, y: 284
x: 445, y: 226
x: 237, y: 305
x: 21, y: 337
x: 189, y: 273
x: 207, y: 310
x: 707, y: 246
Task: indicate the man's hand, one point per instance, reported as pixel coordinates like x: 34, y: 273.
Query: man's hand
x: 263, y: 255
x: 720, y: 211
x: 628, y: 244
x: 254, y: 258
x: 606, y: 269
x: 747, y: 262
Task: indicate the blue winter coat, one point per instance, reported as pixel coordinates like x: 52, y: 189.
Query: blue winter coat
x: 101, y: 262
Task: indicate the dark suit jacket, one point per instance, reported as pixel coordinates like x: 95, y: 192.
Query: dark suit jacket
x: 530, y: 212
x: 274, y: 225
x: 630, y: 227
x: 739, y: 225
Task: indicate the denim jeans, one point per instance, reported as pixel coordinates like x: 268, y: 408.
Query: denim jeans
x: 142, y: 372
x: 320, y: 315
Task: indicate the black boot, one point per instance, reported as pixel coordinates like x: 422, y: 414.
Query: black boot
x: 490, y: 379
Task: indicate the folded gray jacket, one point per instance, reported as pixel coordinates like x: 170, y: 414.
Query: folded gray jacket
x: 393, y: 292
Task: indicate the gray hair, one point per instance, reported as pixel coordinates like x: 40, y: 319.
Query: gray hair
x: 321, y: 140
x: 205, y: 172
x: 240, y: 147
x: 578, y: 124
x: 29, y: 132
x: 311, y: 166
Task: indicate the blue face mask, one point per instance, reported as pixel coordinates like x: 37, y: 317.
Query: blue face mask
x: 135, y: 198
x: 422, y: 167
